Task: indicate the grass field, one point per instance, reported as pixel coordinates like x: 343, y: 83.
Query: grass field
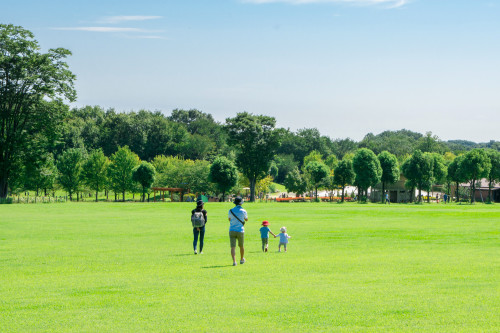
x: 130, y: 267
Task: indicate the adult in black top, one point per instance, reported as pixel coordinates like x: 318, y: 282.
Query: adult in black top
x: 199, y: 231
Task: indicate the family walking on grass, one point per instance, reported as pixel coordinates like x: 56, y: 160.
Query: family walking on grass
x: 237, y: 217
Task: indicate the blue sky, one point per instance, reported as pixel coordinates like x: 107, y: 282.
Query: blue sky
x: 346, y: 67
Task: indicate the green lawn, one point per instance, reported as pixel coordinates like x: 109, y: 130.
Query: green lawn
x: 130, y: 267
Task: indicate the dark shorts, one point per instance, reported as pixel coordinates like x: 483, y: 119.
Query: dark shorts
x: 235, y: 235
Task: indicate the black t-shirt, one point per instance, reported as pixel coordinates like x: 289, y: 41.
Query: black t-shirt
x: 200, y: 210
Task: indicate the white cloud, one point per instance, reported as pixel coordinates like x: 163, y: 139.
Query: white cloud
x: 389, y: 3
x: 125, y: 18
x: 101, y: 29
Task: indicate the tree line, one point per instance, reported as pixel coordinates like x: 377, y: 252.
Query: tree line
x: 45, y: 145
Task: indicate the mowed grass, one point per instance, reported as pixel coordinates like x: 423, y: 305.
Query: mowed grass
x: 130, y: 267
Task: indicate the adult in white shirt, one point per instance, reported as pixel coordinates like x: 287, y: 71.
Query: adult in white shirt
x: 237, y: 218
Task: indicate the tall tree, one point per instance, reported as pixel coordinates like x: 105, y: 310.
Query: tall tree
x: 121, y: 168
x: 390, y: 169
x: 344, y: 174
x: 475, y: 165
x: 257, y: 141
x: 224, y: 174
x: 70, y: 169
x: 418, y: 170
x: 455, y: 174
x: 27, y: 78
x: 40, y: 172
x: 439, y: 170
x: 494, y: 174
x: 95, y: 171
x: 318, y: 172
x: 367, y: 169
x: 144, y: 174
x: 294, y: 182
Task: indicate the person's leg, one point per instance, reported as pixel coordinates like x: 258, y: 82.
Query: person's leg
x: 202, y: 236
x: 233, y: 254
x: 232, y: 240
x: 284, y: 246
x: 241, y: 238
x: 195, y: 241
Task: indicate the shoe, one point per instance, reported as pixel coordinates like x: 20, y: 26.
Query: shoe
x: 195, y: 252
x: 265, y: 250
x: 234, y: 263
x: 242, y: 261
x: 201, y: 252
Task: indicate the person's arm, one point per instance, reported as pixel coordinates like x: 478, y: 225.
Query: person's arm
x: 205, y: 213
x: 272, y: 233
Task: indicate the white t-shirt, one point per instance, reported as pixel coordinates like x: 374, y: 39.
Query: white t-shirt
x: 284, y: 237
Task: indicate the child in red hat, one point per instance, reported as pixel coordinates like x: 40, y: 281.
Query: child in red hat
x: 264, y: 234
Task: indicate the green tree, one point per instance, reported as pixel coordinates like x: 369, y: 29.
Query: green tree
x: 70, y: 169
x: 285, y: 164
x: 295, y: 183
x: 144, y: 174
x: 95, y: 171
x: 40, y: 172
x: 367, y: 169
x: 318, y: 172
x: 494, y: 174
x: 455, y: 174
x: 27, y: 79
x: 344, y: 174
x: 390, y: 169
x: 418, y: 170
x: 475, y: 165
x: 439, y: 170
x: 120, y: 170
x: 257, y: 141
x: 224, y: 174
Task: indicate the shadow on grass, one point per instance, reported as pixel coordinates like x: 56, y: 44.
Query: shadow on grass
x: 218, y: 266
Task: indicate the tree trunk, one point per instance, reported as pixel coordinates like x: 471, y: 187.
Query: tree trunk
x: 343, y: 187
x: 96, y: 196
x: 3, y: 186
x: 419, y: 195
x: 223, y: 196
x: 383, y: 192
x: 428, y: 195
x: 253, y: 181
x: 143, y: 193
x: 456, y: 192
x: 489, y: 190
x: 473, y: 191
x: 123, y: 196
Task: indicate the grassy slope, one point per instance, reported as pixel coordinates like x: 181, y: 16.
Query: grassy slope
x: 129, y: 267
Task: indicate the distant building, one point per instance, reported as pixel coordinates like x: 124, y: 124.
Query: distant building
x: 482, y: 190
x: 398, y: 193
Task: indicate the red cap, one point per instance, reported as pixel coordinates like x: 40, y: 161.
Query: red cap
x: 265, y: 223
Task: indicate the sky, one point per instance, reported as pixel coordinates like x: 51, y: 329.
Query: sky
x: 345, y: 67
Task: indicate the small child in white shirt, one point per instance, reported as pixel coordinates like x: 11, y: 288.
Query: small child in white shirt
x: 283, y: 238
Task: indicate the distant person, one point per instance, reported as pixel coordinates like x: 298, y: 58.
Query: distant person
x: 437, y: 198
x: 198, y: 220
x: 387, y: 201
x: 237, y: 218
x: 445, y: 198
x: 283, y: 238
x: 264, y: 235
